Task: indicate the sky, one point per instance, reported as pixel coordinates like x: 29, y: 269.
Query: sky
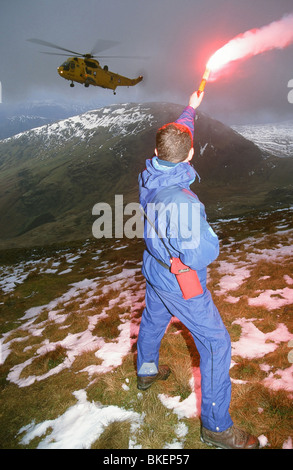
x: 174, y: 40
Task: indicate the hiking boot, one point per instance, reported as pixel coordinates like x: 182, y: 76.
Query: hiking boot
x: 232, y: 438
x: 143, y: 383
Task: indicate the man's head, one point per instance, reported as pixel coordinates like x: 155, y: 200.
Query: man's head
x: 174, y: 143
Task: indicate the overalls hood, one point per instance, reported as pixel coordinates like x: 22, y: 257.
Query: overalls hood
x: 157, y: 176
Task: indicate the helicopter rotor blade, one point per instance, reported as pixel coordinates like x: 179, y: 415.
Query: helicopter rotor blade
x: 119, y: 57
x: 59, y: 54
x: 97, y: 57
x: 101, y: 45
x: 50, y: 44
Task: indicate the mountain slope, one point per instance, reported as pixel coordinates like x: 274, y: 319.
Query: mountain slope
x: 52, y: 176
x: 69, y: 321
x: 22, y: 117
x: 272, y: 139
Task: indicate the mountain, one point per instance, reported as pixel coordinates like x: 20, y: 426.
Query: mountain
x: 52, y: 176
x: 272, y: 139
x: 22, y: 117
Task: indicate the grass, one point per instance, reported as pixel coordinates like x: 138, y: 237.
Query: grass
x: 46, y: 356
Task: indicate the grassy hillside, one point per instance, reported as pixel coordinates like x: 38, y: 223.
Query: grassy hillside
x: 69, y: 321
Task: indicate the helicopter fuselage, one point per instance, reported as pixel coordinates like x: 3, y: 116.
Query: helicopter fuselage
x: 88, y: 71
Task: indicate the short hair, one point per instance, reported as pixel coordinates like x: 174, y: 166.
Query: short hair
x: 173, y: 142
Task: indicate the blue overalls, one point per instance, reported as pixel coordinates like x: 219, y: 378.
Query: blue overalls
x: 161, y: 184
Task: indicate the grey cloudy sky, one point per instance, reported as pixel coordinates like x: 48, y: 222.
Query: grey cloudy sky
x: 177, y: 36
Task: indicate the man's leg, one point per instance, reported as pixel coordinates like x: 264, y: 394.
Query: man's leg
x: 212, y: 340
x: 154, y: 321
x: 203, y: 320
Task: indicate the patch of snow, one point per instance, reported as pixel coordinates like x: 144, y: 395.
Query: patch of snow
x: 80, y: 426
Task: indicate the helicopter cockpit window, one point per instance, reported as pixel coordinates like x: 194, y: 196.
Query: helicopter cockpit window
x: 72, y: 65
x: 65, y: 65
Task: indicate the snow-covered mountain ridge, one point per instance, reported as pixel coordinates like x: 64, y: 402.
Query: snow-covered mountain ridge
x: 53, y: 117
x: 53, y: 175
x: 117, y: 119
x: 272, y: 139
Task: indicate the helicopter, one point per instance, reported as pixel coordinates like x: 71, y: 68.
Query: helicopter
x: 86, y: 69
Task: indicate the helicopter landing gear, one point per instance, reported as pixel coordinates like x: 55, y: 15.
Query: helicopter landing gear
x: 114, y: 92
x: 72, y: 84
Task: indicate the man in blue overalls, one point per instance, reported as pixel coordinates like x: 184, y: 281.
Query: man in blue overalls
x: 165, y: 183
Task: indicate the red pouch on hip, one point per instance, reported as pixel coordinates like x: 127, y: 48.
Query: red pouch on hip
x: 187, y: 279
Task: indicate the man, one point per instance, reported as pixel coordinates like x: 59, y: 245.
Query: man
x: 165, y: 184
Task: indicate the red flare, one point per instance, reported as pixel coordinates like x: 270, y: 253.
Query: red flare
x: 203, y: 81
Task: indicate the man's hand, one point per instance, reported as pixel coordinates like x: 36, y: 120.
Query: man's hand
x: 194, y: 100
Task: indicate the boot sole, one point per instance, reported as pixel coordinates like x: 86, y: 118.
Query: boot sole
x: 145, y: 387
x: 216, y: 444
x: 213, y: 444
